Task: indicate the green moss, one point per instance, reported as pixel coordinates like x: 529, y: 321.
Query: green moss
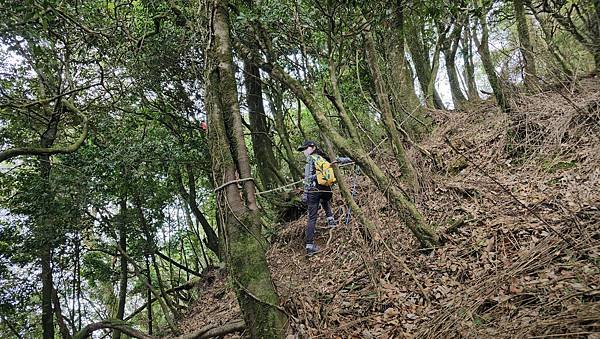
x: 551, y: 167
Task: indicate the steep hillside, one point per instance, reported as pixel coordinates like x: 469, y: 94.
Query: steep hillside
x: 516, y: 201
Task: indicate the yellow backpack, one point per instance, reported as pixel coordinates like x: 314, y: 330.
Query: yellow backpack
x: 324, y: 171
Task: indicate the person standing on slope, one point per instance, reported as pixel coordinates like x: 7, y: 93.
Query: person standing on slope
x: 318, y: 179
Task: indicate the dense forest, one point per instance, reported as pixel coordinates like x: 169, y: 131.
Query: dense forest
x: 151, y: 185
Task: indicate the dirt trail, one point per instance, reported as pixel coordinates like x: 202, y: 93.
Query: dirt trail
x: 517, y: 200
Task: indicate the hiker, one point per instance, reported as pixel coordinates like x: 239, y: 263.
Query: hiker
x: 317, y: 191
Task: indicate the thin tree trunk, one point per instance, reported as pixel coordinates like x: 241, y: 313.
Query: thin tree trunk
x: 64, y: 330
x: 469, y: 66
x: 151, y: 248
x: 245, y: 247
x: 552, y: 48
x: 196, y: 232
x: 589, y: 39
x: 450, y: 46
x: 123, y: 265
x: 112, y: 324
x: 486, y: 58
x: 525, y: 46
x: 369, y: 226
x: 183, y: 267
x: 262, y: 146
x: 276, y: 102
x: 149, y: 290
x: 189, y: 197
x: 420, y: 57
x: 336, y: 96
x: 45, y: 228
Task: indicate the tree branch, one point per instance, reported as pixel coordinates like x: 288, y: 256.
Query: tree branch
x: 114, y: 324
x: 15, y: 152
x: 210, y: 331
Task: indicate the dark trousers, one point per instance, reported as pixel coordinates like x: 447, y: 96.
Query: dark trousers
x: 313, y: 201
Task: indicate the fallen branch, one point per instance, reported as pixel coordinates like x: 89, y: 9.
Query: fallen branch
x: 114, y: 324
x: 210, y: 331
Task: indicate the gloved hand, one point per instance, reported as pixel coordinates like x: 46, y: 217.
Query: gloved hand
x: 305, y: 197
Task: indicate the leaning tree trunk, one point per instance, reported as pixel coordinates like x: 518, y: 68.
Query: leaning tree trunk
x: 239, y: 216
x: 589, y: 38
x: 525, y: 46
x: 552, y: 48
x: 409, y: 213
x: 486, y: 58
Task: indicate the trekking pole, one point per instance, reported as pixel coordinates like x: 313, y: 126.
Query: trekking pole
x: 353, y: 193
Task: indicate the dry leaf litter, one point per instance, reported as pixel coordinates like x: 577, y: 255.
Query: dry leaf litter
x: 516, y: 201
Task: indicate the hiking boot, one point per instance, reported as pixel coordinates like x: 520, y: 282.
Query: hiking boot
x: 311, y: 249
x: 331, y: 223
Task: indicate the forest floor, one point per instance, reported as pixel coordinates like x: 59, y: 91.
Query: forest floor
x: 516, y: 199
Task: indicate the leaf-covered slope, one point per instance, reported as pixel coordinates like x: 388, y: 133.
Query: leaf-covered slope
x: 516, y: 200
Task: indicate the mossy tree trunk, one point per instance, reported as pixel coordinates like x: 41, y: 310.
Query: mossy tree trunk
x: 411, y: 216
x: 238, y: 211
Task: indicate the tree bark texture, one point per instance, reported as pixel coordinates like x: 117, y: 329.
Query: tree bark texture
x: 239, y: 218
